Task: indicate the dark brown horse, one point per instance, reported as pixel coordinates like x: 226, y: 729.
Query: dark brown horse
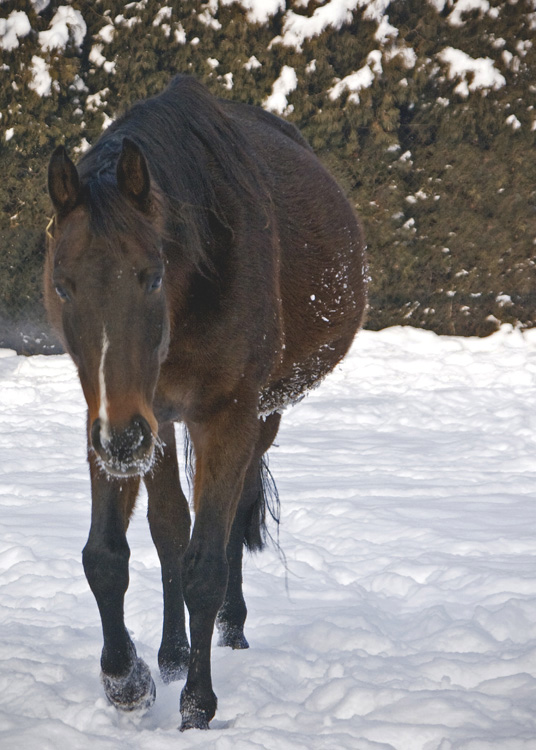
x: 204, y: 267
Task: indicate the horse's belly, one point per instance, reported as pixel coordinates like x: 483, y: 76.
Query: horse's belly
x: 297, y: 378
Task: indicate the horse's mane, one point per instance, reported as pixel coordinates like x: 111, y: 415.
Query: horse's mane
x: 192, y: 148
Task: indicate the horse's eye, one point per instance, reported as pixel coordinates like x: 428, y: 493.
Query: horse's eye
x: 154, y: 283
x: 62, y: 292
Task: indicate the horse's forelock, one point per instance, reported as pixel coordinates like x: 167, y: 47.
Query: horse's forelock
x: 189, y: 144
x: 112, y: 218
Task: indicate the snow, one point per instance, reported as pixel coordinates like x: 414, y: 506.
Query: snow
x: 252, y: 63
x: 361, y: 79
x: 164, y: 14
x: 40, y: 5
x: 481, y: 70
x: 128, y: 22
x: 406, y: 617
x: 513, y: 122
x: 407, y: 55
x: 385, y: 30
x: 335, y: 13
x: 14, y: 27
x: 179, y: 34
x: 41, y: 81
x: 259, y: 11
x: 106, y: 33
x: 206, y: 17
x: 463, y: 7
x: 332, y: 13
x: 66, y: 23
x: 98, y: 59
x: 438, y: 4
x: 281, y: 88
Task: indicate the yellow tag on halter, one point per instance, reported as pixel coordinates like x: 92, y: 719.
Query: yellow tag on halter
x: 49, y: 227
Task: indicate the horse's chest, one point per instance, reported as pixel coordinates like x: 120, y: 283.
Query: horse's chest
x: 188, y: 391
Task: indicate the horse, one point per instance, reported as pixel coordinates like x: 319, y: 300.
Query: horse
x: 202, y: 267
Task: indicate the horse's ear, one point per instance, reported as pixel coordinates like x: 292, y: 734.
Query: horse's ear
x: 63, y: 181
x: 133, y: 177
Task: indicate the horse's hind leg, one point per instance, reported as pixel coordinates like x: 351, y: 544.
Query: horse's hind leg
x: 246, y: 530
x: 232, y: 615
x: 127, y: 681
x: 169, y: 521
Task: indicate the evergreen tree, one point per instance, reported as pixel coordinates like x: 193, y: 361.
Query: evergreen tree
x: 439, y: 161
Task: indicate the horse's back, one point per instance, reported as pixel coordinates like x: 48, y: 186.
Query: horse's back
x: 262, y: 121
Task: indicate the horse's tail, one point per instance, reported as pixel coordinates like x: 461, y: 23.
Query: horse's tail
x: 266, y: 502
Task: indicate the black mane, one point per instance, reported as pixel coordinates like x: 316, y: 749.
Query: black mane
x: 187, y: 121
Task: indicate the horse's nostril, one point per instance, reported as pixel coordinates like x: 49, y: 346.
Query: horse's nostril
x: 124, y: 450
x: 145, y: 432
x: 96, y: 436
x: 134, y: 439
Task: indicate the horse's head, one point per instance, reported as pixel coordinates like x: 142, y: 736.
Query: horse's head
x: 104, y: 291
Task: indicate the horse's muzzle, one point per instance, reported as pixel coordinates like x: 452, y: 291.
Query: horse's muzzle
x: 128, y: 451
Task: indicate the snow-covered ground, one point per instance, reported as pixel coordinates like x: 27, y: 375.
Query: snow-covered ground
x: 406, y: 617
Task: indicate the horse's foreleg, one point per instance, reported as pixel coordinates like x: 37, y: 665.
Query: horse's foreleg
x: 247, y: 528
x: 223, y: 451
x: 169, y: 520
x: 126, y: 678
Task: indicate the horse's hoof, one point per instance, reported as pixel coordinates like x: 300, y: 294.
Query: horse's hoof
x: 193, y: 716
x: 194, y: 721
x: 133, y: 692
x: 231, y: 636
x: 174, y: 667
x: 172, y: 672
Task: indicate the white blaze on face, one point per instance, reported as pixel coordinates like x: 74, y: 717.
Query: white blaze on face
x: 103, y: 407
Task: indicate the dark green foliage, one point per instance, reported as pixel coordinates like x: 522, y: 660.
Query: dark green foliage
x: 443, y: 178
